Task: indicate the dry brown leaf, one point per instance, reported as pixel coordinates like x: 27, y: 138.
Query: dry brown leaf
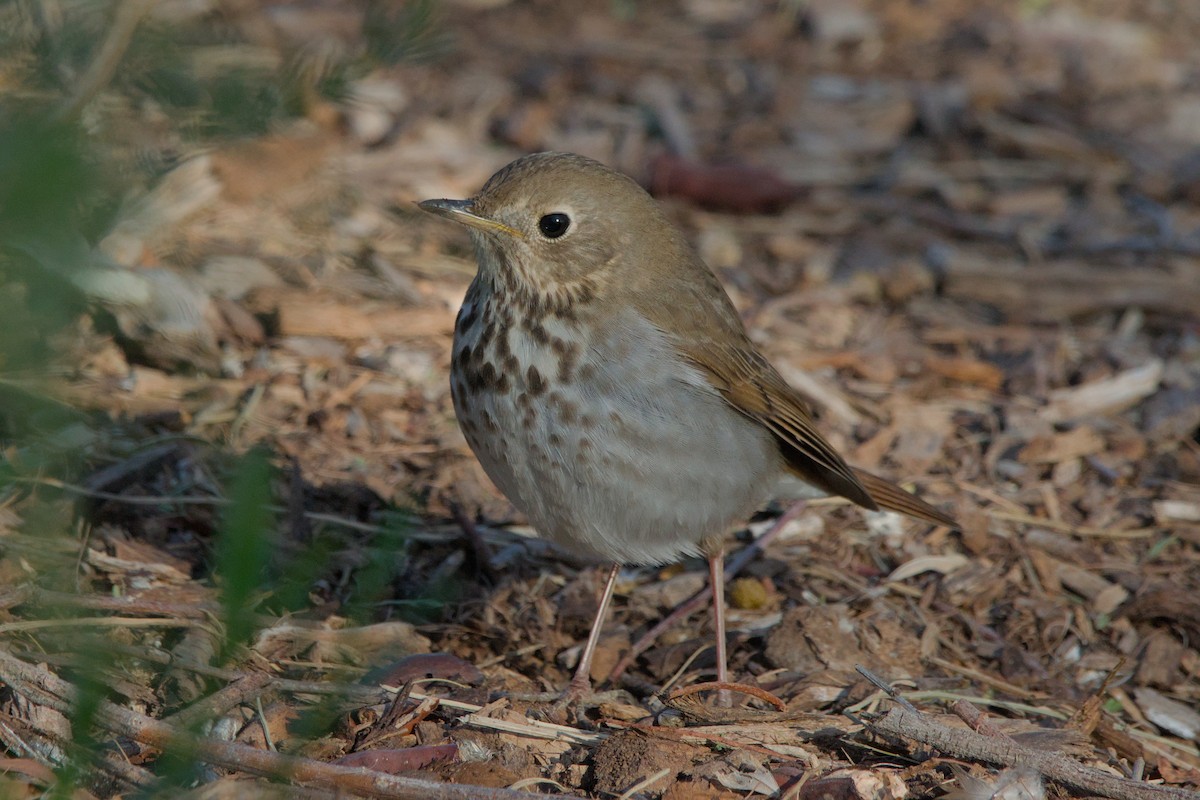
x: 312, y: 314
x: 967, y: 370
x: 1083, y: 440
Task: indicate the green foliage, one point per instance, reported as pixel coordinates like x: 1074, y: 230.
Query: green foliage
x: 382, y: 566
x: 209, y: 79
x: 210, y: 85
x: 45, y: 175
x: 51, y: 195
x: 63, y: 177
x: 87, y: 676
x: 403, y: 32
x: 244, y: 545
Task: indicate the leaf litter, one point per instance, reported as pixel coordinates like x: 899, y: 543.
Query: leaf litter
x: 966, y: 231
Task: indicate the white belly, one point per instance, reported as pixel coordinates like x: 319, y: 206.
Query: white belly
x: 635, y: 459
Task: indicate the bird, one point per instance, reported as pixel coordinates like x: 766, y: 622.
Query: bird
x: 607, y: 385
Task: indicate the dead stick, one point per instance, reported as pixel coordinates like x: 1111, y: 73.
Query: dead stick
x: 108, y: 56
x: 242, y: 690
x: 45, y: 688
x: 970, y: 745
x: 364, y: 695
x: 121, y: 605
x: 978, y: 720
x: 885, y: 687
x: 19, y: 738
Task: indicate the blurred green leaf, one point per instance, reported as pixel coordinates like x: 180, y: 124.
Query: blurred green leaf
x: 244, y: 545
x: 404, y: 32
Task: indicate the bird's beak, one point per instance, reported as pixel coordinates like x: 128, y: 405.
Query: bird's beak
x: 462, y: 211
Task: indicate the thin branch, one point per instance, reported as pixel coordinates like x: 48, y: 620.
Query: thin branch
x: 967, y: 744
x: 47, y: 689
x: 108, y: 56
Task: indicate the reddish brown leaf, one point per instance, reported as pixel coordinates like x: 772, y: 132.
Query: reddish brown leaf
x: 426, y: 665
x: 739, y: 188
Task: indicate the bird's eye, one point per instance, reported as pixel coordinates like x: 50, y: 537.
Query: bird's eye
x: 555, y: 225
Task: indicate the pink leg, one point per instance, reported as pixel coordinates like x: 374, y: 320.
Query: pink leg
x: 716, y: 579
x: 700, y: 598
x: 581, y: 683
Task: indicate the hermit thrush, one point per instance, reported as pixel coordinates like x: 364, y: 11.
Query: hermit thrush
x: 605, y: 382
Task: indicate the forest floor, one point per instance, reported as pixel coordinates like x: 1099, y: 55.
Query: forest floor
x: 968, y: 231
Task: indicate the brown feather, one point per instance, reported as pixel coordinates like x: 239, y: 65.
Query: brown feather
x: 713, y: 338
x: 890, y: 496
x: 752, y: 386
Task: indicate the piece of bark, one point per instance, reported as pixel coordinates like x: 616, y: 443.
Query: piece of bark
x: 1107, y: 396
x: 1054, y: 292
x: 967, y: 744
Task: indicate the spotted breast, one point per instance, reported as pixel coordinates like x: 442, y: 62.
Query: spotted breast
x: 599, y: 433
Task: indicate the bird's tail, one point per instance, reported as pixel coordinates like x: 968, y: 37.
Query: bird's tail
x: 890, y: 496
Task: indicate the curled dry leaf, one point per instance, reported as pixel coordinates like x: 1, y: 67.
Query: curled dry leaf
x: 1010, y: 784
x: 940, y: 564
x: 724, y: 187
x: 345, y: 645
x: 739, y: 771
x: 855, y: 784
x: 425, y: 665
x: 1168, y: 714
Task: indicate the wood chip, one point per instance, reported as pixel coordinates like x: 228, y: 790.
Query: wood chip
x: 1106, y: 396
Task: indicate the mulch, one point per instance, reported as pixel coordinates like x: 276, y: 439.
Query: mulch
x: 967, y: 231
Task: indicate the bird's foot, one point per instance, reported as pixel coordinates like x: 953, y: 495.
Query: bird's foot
x: 724, y: 690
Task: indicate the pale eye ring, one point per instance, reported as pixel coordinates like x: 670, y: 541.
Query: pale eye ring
x: 554, y: 225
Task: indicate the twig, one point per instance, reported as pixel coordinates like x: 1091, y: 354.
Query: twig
x: 684, y: 667
x: 532, y: 728
x: 987, y: 702
x: 752, y: 737
x: 108, y: 56
x: 984, y: 678
x: 121, y: 605
x: 479, y: 551
x: 1077, y: 530
x: 247, y: 686
x: 266, y: 726
x: 364, y: 695
x: 979, y: 227
x: 885, y: 687
x: 124, y: 473
x: 663, y: 99
x: 1152, y: 243
x: 99, y: 622
x: 38, y: 737
x: 15, y: 596
x: 968, y: 744
x: 47, y: 689
x: 978, y: 720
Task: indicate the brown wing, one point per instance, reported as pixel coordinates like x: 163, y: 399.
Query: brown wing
x: 711, y: 336
x: 753, y: 387
x: 890, y: 496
